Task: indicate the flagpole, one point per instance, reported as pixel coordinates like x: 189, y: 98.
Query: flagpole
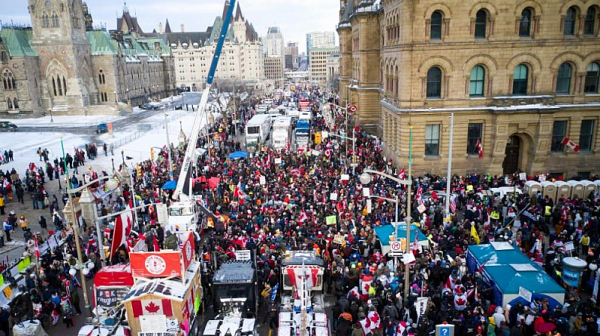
x: 449, y: 174
x: 75, y: 226
x: 408, y: 217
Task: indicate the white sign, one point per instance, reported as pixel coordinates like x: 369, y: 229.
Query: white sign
x: 345, y: 177
x: 277, y: 160
x: 569, y: 247
x: 366, y: 192
x: 333, y: 196
x: 421, y: 208
x: 153, y: 323
x: 421, y: 306
x: 369, y: 206
x: 396, y: 246
x: 263, y: 180
x: 542, y: 178
x: 315, y: 152
x: 522, y: 176
x: 324, y: 134
x: 525, y: 294
x: 161, y: 211
x: 242, y: 255
x: 408, y: 258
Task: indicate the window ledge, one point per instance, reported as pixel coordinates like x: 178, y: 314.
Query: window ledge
x: 431, y: 157
x: 592, y: 94
x: 478, y: 98
x: 563, y: 153
x: 434, y: 98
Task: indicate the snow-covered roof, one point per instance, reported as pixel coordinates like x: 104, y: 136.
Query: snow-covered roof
x: 172, y: 289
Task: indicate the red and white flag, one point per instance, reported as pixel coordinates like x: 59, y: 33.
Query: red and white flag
x: 569, y: 143
x: 419, y: 194
x: 303, y: 217
x: 479, y: 148
x: 37, y: 250
x: 152, y: 307
x: 122, y: 228
x: 402, y: 174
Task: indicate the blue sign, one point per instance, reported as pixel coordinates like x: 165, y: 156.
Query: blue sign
x: 444, y: 330
x: 570, y: 277
x: 274, y: 291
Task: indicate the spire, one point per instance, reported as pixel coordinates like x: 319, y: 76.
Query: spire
x: 167, y: 27
x: 125, y: 8
x: 227, y: 4
x: 238, y: 13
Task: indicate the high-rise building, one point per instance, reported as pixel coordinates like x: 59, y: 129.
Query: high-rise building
x: 319, y: 40
x: 273, y: 42
x: 291, y: 55
x: 63, y: 65
x: 317, y: 66
x: 520, y: 77
x: 241, y: 58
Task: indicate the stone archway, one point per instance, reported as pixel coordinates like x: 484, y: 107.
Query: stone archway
x: 516, y: 158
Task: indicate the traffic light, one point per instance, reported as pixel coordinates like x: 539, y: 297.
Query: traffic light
x: 139, y: 170
x: 152, y: 154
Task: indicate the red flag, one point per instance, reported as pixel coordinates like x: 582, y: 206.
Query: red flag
x: 479, y: 148
x: 37, y: 250
x: 434, y: 195
x: 569, y: 143
x: 402, y: 174
x: 119, y: 236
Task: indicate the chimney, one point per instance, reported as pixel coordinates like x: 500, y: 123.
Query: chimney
x: 182, y: 30
x: 160, y: 28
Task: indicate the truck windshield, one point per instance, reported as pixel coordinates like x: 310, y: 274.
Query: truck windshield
x: 253, y: 130
x: 180, y: 211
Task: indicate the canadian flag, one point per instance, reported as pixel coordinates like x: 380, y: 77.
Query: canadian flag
x: 303, y: 217
x: 152, y: 307
x: 401, y: 328
x: 365, y: 324
x: 375, y: 320
x: 365, y: 284
x: 402, y: 174
x: 479, y: 148
x: 419, y: 194
x: 123, y: 226
x: 569, y: 143
x: 460, y: 302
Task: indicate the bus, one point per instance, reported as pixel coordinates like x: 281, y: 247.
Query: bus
x: 257, y: 131
x: 282, y: 132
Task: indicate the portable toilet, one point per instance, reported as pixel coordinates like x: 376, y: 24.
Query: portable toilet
x: 589, y: 187
x: 532, y: 188
x: 563, y: 189
x: 577, y: 189
x: 549, y: 189
x: 597, y: 183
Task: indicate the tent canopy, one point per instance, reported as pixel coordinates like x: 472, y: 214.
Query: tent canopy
x: 169, y: 185
x: 238, y: 155
x: 385, y: 231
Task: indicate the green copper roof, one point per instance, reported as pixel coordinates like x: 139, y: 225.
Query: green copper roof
x: 151, y: 44
x: 217, y: 26
x: 101, y: 43
x: 16, y: 41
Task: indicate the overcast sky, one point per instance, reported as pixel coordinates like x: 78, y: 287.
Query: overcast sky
x: 294, y: 17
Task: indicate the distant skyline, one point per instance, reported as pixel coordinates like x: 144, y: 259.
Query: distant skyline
x: 296, y: 18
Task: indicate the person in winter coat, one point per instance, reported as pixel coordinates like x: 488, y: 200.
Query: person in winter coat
x: 357, y: 330
x: 43, y: 225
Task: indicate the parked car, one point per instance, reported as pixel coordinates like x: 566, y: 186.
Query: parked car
x: 7, y: 126
x: 147, y: 106
x: 102, y: 128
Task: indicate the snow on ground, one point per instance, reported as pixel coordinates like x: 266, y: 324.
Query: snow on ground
x: 25, y: 144
x: 67, y: 121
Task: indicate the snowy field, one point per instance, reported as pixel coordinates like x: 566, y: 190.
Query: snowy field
x: 25, y: 144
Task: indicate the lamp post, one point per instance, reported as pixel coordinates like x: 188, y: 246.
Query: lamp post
x: 365, y: 178
x: 123, y: 156
x: 126, y: 175
x: 169, y: 148
x: 182, y: 138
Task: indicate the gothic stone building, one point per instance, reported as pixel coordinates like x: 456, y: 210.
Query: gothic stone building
x: 519, y: 76
x: 62, y: 65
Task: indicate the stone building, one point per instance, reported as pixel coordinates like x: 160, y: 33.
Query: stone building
x: 241, y: 58
x: 274, y: 67
x: 519, y: 76
x: 62, y: 65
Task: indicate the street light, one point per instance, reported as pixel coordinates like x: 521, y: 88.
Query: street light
x: 365, y: 178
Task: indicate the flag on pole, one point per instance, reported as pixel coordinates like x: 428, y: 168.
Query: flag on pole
x: 569, y: 143
x: 479, y: 148
x: 419, y: 194
x: 474, y: 234
x: 402, y: 174
x: 453, y: 204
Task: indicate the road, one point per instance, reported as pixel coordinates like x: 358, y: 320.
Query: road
x: 191, y: 98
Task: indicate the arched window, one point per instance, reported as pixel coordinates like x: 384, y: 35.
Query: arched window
x: 520, y: 80
x: 436, y: 25
x: 65, y: 86
x: 570, y: 21
x: 8, y: 80
x: 480, y: 24
x: 591, y: 78
x: 563, y: 80
x: 60, y: 91
x: 54, y: 87
x: 16, y: 103
x: 477, y: 81
x: 434, y: 83
x: 589, y: 25
x: 4, y: 57
x: 54, y: 19
x: 9, y: 102
x: 45, y: 20
x: 525, y: 25
x: 101, y: 77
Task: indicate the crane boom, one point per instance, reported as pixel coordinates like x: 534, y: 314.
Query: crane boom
x: 200, y: 115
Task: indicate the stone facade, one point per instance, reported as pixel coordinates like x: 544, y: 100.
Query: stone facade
x: 519, y: 76
x: 62, y: 65
x: 241, y: 58
x: 317, y: 66
x: 274, y: 68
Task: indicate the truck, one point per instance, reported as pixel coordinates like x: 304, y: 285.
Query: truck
x: 302, y: 302
x: 257, y: 131
x: 234, y: 289
x: 183, y: 216
x: 302, y: 135
x: 282, y: 132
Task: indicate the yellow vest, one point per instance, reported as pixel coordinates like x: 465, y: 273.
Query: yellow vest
x: 495, y: 215
x: 548, y: 210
